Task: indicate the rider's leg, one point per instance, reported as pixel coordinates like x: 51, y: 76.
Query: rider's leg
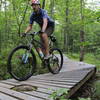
x: 45, y: 41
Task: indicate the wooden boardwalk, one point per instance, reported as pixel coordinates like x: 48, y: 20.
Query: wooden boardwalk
x: 72, y: 76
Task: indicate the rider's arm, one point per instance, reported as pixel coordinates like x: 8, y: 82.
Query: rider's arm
x: 45, y: 21
x: 29, y: 28
x: 31, y: 22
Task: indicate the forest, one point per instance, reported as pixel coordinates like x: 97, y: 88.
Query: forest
x: 77, y: 29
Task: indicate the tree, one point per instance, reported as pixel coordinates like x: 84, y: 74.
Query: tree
x: 66, y: 30
x: 82, y: 33
x: 43, y: 4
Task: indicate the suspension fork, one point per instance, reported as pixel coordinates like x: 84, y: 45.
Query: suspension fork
x: 26, y: 54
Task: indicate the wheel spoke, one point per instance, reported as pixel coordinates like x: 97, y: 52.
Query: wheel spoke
x: 21, y: 63
x: 56, y: 61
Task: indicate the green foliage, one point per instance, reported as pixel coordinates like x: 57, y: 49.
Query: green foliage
x: 3, y: 64
x: 89, y: 58
x: 96, y: 95
x: 60, y: 94
x: 84, y: 99
x: 15, y: 11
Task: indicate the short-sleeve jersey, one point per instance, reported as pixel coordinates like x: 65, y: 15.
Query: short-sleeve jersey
x: 38, y: 18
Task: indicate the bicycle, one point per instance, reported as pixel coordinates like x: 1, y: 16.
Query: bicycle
x: 22, y: 59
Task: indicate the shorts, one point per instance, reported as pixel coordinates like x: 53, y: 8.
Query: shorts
x: 49, y: 30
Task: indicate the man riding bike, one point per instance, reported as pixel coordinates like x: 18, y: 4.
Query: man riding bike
x: 46, y: 24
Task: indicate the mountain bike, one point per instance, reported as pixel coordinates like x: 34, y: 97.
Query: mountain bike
x: 22, y: 59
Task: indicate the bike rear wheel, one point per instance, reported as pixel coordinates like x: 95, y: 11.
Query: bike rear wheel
x: 55, y: 61
x: 21, y: 63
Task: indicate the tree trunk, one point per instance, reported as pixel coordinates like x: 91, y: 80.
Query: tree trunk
x: 5, y: 18
x: 65, y: 40
x: 66, y: 32
x: 21, y: 22
x: 43, y: 4
x: 82, y: 33
x: 52, y: 8
x: 0, y: 29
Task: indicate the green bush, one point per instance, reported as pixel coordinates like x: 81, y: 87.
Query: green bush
x: 61, y: 94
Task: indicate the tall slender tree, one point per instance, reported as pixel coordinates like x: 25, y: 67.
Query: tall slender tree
x: 66, y: 32
x: 52, y: 8
x: 0, y: 29
x: 43, y: 4
x: 19, y: 23
x: 82, y: 32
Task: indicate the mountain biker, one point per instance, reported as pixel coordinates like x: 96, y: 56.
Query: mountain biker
x: 46, y: 24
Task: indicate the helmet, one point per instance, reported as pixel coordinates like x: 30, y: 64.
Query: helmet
x: 35, y: 2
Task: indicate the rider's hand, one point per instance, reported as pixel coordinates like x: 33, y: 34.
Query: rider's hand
x: 41, y: 32
x: 23, y: 34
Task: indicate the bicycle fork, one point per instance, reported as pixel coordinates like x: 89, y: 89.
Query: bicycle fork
x: 25, y: 58
x: 26, y: 55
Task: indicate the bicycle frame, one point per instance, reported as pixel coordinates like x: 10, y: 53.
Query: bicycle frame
x: 32, y: 43
x: 36, y: 48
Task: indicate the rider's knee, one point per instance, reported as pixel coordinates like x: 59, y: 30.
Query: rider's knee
x: 44, y: 35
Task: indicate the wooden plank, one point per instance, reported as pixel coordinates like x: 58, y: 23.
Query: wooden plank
x: 51, y: 79
x: 72, y: 79
x: 67, y: 75
x: 39, y: 89
x: 43, y: 81
x: 10, y: 83
x: 18, y: 94
x: 45, y: 84
x: 60, y: 74
x: 77, y: 86
x: 54, y: 82
x: 64, y: 77
x: 6, y: 97
x: 38, y: 94
x: 71, y: 65
x: 42, y: 85
x: 43, y: 90
x: 57, y: 80
x: 54, y: 78
x: 5, y: 85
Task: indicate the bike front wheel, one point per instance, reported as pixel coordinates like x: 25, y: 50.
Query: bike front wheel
x: 55, y: 61
x: 21, y: 63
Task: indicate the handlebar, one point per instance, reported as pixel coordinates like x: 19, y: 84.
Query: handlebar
x: 28, y: 34
x: 33, y: 33
x: 53, y: 38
